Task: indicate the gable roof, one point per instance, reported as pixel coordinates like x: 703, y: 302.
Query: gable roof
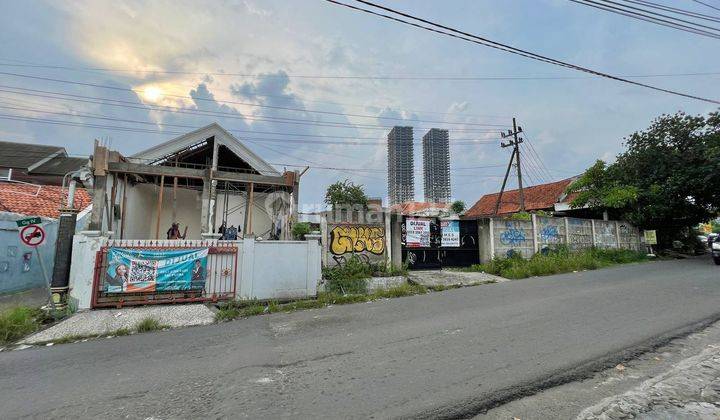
x: 24, y: 155
x: 37, y: 200
x: 221, y: 135
x: 413, y: 207
x: 537, y: 197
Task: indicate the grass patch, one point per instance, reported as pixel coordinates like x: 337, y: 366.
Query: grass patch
x: 558, y: 261
x: 18, y: 322
x: 149, y: 324
x: 232, y: 310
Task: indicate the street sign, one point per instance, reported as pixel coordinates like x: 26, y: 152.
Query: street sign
x: 32, y: 235
x: 650, y: 237
x: 29, y: 221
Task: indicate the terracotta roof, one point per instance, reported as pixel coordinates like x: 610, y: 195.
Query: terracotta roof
x: 538, y: 197
x: 416, y: 206
x: 37, y: 200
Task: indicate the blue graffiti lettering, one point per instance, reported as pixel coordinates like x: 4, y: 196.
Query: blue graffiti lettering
x: 549, y: 233
x: 512, y: 236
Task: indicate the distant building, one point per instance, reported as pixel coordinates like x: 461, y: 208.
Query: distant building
x: 551, y: 197
x: 401, y: 182
x: 436, y: 165
x: 36, y: 163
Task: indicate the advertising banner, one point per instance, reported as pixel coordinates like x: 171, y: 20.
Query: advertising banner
x: 418, y: 233
x: 450, y: 233
x: 151, y: 270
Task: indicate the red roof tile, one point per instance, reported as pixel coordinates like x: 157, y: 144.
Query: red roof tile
x: 37, y: 200
x: 415, y: 206
x: 538, y: 197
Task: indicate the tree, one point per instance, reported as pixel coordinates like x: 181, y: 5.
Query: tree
x: 668, y: 178
x: 457, y: 207
x: 345, y: 193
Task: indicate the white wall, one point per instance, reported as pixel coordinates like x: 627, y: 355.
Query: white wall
x: 261, y: 219
x: 141, y: 212
x: 266, y: 269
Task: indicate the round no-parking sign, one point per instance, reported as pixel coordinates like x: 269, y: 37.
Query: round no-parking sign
x: 32, y: 235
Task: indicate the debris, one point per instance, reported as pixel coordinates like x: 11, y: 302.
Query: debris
x: 49, y: 344
x: 620, y: 367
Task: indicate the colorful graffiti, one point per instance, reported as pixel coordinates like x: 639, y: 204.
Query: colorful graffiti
x: 512, y: 235
x: 352, y: 239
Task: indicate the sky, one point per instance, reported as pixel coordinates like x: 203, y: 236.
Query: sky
x: 253, y: 67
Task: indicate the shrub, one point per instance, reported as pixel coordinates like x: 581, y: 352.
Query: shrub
x: 349, y: 278
x: 300, y: 229
x: 18, y: 322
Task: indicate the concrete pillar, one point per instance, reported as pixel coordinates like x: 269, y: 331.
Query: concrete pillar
x: 388, y: 240
x: 63, y: 255
x: 396, y: 238
x: 567, y: 231
x: 98, y: 203
x: 533, y: 219
x: 617, y: 234
x: 204, y: 208
x: 592, y: 227
x: 492, y: 238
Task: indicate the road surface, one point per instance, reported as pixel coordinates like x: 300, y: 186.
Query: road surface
x: 449, y: 354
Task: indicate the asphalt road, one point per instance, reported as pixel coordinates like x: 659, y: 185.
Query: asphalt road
x: 448, y: 354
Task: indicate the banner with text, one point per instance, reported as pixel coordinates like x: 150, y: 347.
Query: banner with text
x: 418, y: 233
x: 450, y: 233
x: 151, y: 270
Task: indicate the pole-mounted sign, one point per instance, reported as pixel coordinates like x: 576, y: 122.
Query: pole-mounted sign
x: 33, y: 236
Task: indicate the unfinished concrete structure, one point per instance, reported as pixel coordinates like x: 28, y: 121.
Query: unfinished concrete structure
x: 401, y: 181
x: 200, y: 180
x: 436, y: 165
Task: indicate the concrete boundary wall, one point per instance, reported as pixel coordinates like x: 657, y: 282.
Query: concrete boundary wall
x: 527, y: 237
x: 265, y: 270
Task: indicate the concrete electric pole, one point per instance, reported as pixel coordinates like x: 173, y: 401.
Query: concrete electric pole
x: 515, y: 143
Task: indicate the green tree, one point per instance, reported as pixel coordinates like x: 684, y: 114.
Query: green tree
x: 457, y: 207
x: 668, y: 178
x: 346, y: 193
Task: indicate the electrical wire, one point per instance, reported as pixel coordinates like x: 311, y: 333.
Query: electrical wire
x: 705, y: 4
x: 672, y: 23
x: 448, y: 31
x: 682, y: 12
x: 249, y: 104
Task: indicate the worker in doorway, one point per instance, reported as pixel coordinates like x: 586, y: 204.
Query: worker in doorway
x: 174, y: 231
x: 222, y: 230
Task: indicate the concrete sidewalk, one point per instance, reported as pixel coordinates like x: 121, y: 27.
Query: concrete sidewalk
x: 452, y: 278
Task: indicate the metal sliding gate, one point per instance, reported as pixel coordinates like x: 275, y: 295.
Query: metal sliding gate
x: 218, y: 284
x: 432, y: 243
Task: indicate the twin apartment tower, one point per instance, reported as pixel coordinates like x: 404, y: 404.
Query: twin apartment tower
x: 436, y: 165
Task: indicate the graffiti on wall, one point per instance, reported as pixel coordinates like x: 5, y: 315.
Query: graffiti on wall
x: 512, y: 236
x: 549, y: 234
x: 357, y: 239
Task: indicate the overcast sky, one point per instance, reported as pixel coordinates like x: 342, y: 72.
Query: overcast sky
x: 173, y: 53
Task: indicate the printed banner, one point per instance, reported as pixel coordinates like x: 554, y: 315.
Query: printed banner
x: 450, y: 233
x: 418, y: 233
x: 151, y: 270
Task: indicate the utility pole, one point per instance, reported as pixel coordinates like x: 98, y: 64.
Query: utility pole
x: 515, y: 143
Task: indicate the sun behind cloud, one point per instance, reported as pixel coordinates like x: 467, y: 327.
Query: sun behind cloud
x: 152, y: 94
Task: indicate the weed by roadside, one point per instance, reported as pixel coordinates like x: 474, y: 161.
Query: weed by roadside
x: 232, y: 310
x: 558, y: 261
x: 149, y: 324
x: 18, y: 322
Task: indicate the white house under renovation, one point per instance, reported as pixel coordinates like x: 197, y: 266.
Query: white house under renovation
x: 206, y: 182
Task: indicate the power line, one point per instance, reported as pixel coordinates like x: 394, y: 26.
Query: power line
x: 672, y: 23
x: 370, y: 77
x: 506, y: 48
x: 705, y: 4
x: 50, y: 79
x: 674, y: 10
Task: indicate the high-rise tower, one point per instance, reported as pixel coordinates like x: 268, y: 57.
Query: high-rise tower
x: 436, y: 165
x: 401, y: 182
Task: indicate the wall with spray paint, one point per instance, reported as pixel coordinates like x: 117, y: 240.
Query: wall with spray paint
x: 367, y: 242
x: 541, y: 234
x: 581, y: 236
x: 550, y: 232
x: 513, y: 237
